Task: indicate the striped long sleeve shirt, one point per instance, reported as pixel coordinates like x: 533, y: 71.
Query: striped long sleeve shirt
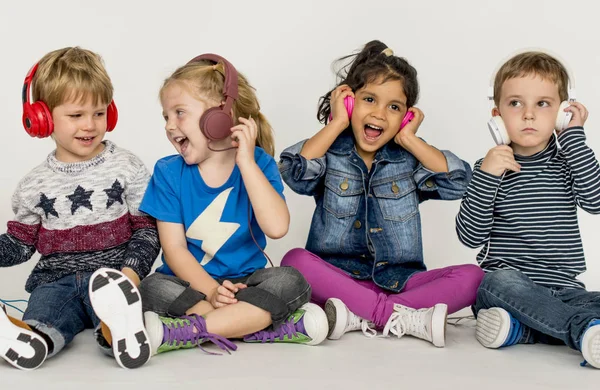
x: 527, y: 221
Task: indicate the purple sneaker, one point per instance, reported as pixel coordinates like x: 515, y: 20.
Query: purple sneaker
x: 168, y: 334
x: 307, y: 325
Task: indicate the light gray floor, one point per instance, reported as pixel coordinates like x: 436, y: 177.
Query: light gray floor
x: 354, y: 362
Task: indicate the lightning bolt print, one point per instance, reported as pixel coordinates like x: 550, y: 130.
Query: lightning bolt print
x: 209, y: 228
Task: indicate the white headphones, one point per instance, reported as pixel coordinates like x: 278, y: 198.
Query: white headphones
x: 496, y: 124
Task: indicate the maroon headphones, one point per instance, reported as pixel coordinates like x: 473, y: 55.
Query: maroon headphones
x: 37, y: 118
x: 216, y: 122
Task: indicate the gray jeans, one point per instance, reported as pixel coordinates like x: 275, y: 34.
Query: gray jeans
x: 278, y: 290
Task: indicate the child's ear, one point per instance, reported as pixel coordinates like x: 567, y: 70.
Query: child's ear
x: 495, y: 112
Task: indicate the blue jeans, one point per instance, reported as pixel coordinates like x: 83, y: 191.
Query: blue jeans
x: 551, y: 315
x: 61, y: 309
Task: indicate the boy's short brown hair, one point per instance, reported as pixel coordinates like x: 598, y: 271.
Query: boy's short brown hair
x: 533, y: 63
x: 71, y: 74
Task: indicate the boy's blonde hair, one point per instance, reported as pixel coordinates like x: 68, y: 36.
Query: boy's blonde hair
x: 533, y: 63
x: 205, y: 80
x: 71, y: 74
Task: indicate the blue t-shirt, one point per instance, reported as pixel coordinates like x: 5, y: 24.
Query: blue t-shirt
x: 215, y: 219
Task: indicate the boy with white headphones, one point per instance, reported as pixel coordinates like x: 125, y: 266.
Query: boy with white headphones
x: 521, y: 206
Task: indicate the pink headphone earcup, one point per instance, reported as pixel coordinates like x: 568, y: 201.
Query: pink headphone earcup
x: 349, y: 103
x: 216, y: 124
x: 409, y: 116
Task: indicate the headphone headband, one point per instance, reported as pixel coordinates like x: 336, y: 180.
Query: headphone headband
x: 230, y: 87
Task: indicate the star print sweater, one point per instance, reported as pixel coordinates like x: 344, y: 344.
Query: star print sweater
x: 80, y: 217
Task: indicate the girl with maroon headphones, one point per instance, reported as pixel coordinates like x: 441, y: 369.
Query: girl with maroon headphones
x: 215, y: 202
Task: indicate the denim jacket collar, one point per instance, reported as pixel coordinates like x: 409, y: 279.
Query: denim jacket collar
x: 344, y: 145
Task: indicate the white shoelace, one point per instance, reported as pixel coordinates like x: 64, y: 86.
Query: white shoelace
x: 406, y: 322
x: 355, y: 322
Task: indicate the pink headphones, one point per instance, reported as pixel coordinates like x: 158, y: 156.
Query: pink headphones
x: 349, y: 104
x: 216, y: 122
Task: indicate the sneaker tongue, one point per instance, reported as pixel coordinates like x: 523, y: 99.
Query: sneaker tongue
x: 300, y: 326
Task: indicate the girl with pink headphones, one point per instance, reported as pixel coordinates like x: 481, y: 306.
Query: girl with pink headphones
x: 368, y: 173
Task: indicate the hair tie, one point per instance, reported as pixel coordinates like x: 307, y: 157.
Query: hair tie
x: 387, y: 51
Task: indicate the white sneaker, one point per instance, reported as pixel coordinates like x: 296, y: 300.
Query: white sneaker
x: 342, y: 320
x: 117, y: 302
x: 427, y: 324
x: 20, y: 347
x: 590, y: 345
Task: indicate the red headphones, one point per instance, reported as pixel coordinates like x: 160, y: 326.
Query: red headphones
x: 216, y: 122
x: 37, y: 118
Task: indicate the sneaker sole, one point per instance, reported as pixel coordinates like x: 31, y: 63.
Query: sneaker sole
x: 20, y: 347
x: 590, y: 346
x: 336, y: 318
x: 118, y: 304
x: 316, y: 328
x: 493, y: 326
x: 439, y: 317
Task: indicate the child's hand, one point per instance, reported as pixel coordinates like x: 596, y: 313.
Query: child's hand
x: 224, y: 294
x: 500, y: 159
x: 339, y: 113
x: 244, y: 139
x: 411, y: 128
x: 580, y: 114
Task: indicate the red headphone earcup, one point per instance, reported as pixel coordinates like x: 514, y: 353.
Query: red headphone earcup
x: 216, y: 124
x: 112, y: 116
x: 30, y: 122
x: 45, y: 116
x: 37, y: 120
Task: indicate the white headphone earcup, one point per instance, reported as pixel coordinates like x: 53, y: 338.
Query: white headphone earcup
x: 498, y: 130
x: 563, y: 118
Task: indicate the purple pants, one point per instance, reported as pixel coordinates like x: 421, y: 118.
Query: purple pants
x: 456, y: 286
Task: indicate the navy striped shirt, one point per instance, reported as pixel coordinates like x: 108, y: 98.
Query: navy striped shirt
x: 527, y: 221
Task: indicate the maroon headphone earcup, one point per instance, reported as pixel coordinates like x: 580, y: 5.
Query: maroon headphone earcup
x: 112, y: 115
x: 216, y: 124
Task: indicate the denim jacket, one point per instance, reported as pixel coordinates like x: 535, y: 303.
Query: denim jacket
x: 367, y: 223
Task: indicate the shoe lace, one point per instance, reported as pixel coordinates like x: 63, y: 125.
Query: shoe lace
x: 368, y: 329
x: 287, y: 328
x: 406, y: 322
x: 183, y: 332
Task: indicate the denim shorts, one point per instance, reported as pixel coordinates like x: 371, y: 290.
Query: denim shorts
x: 278, y: 290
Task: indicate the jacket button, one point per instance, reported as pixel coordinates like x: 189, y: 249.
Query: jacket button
x: 357, y: 224
x: 429, y: 183
x: 344, y: 185
x: 395, y: 285
x: 356, y: 272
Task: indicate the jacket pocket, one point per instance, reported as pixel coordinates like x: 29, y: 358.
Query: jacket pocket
x: 342, y: 193
x: 396, y: 197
